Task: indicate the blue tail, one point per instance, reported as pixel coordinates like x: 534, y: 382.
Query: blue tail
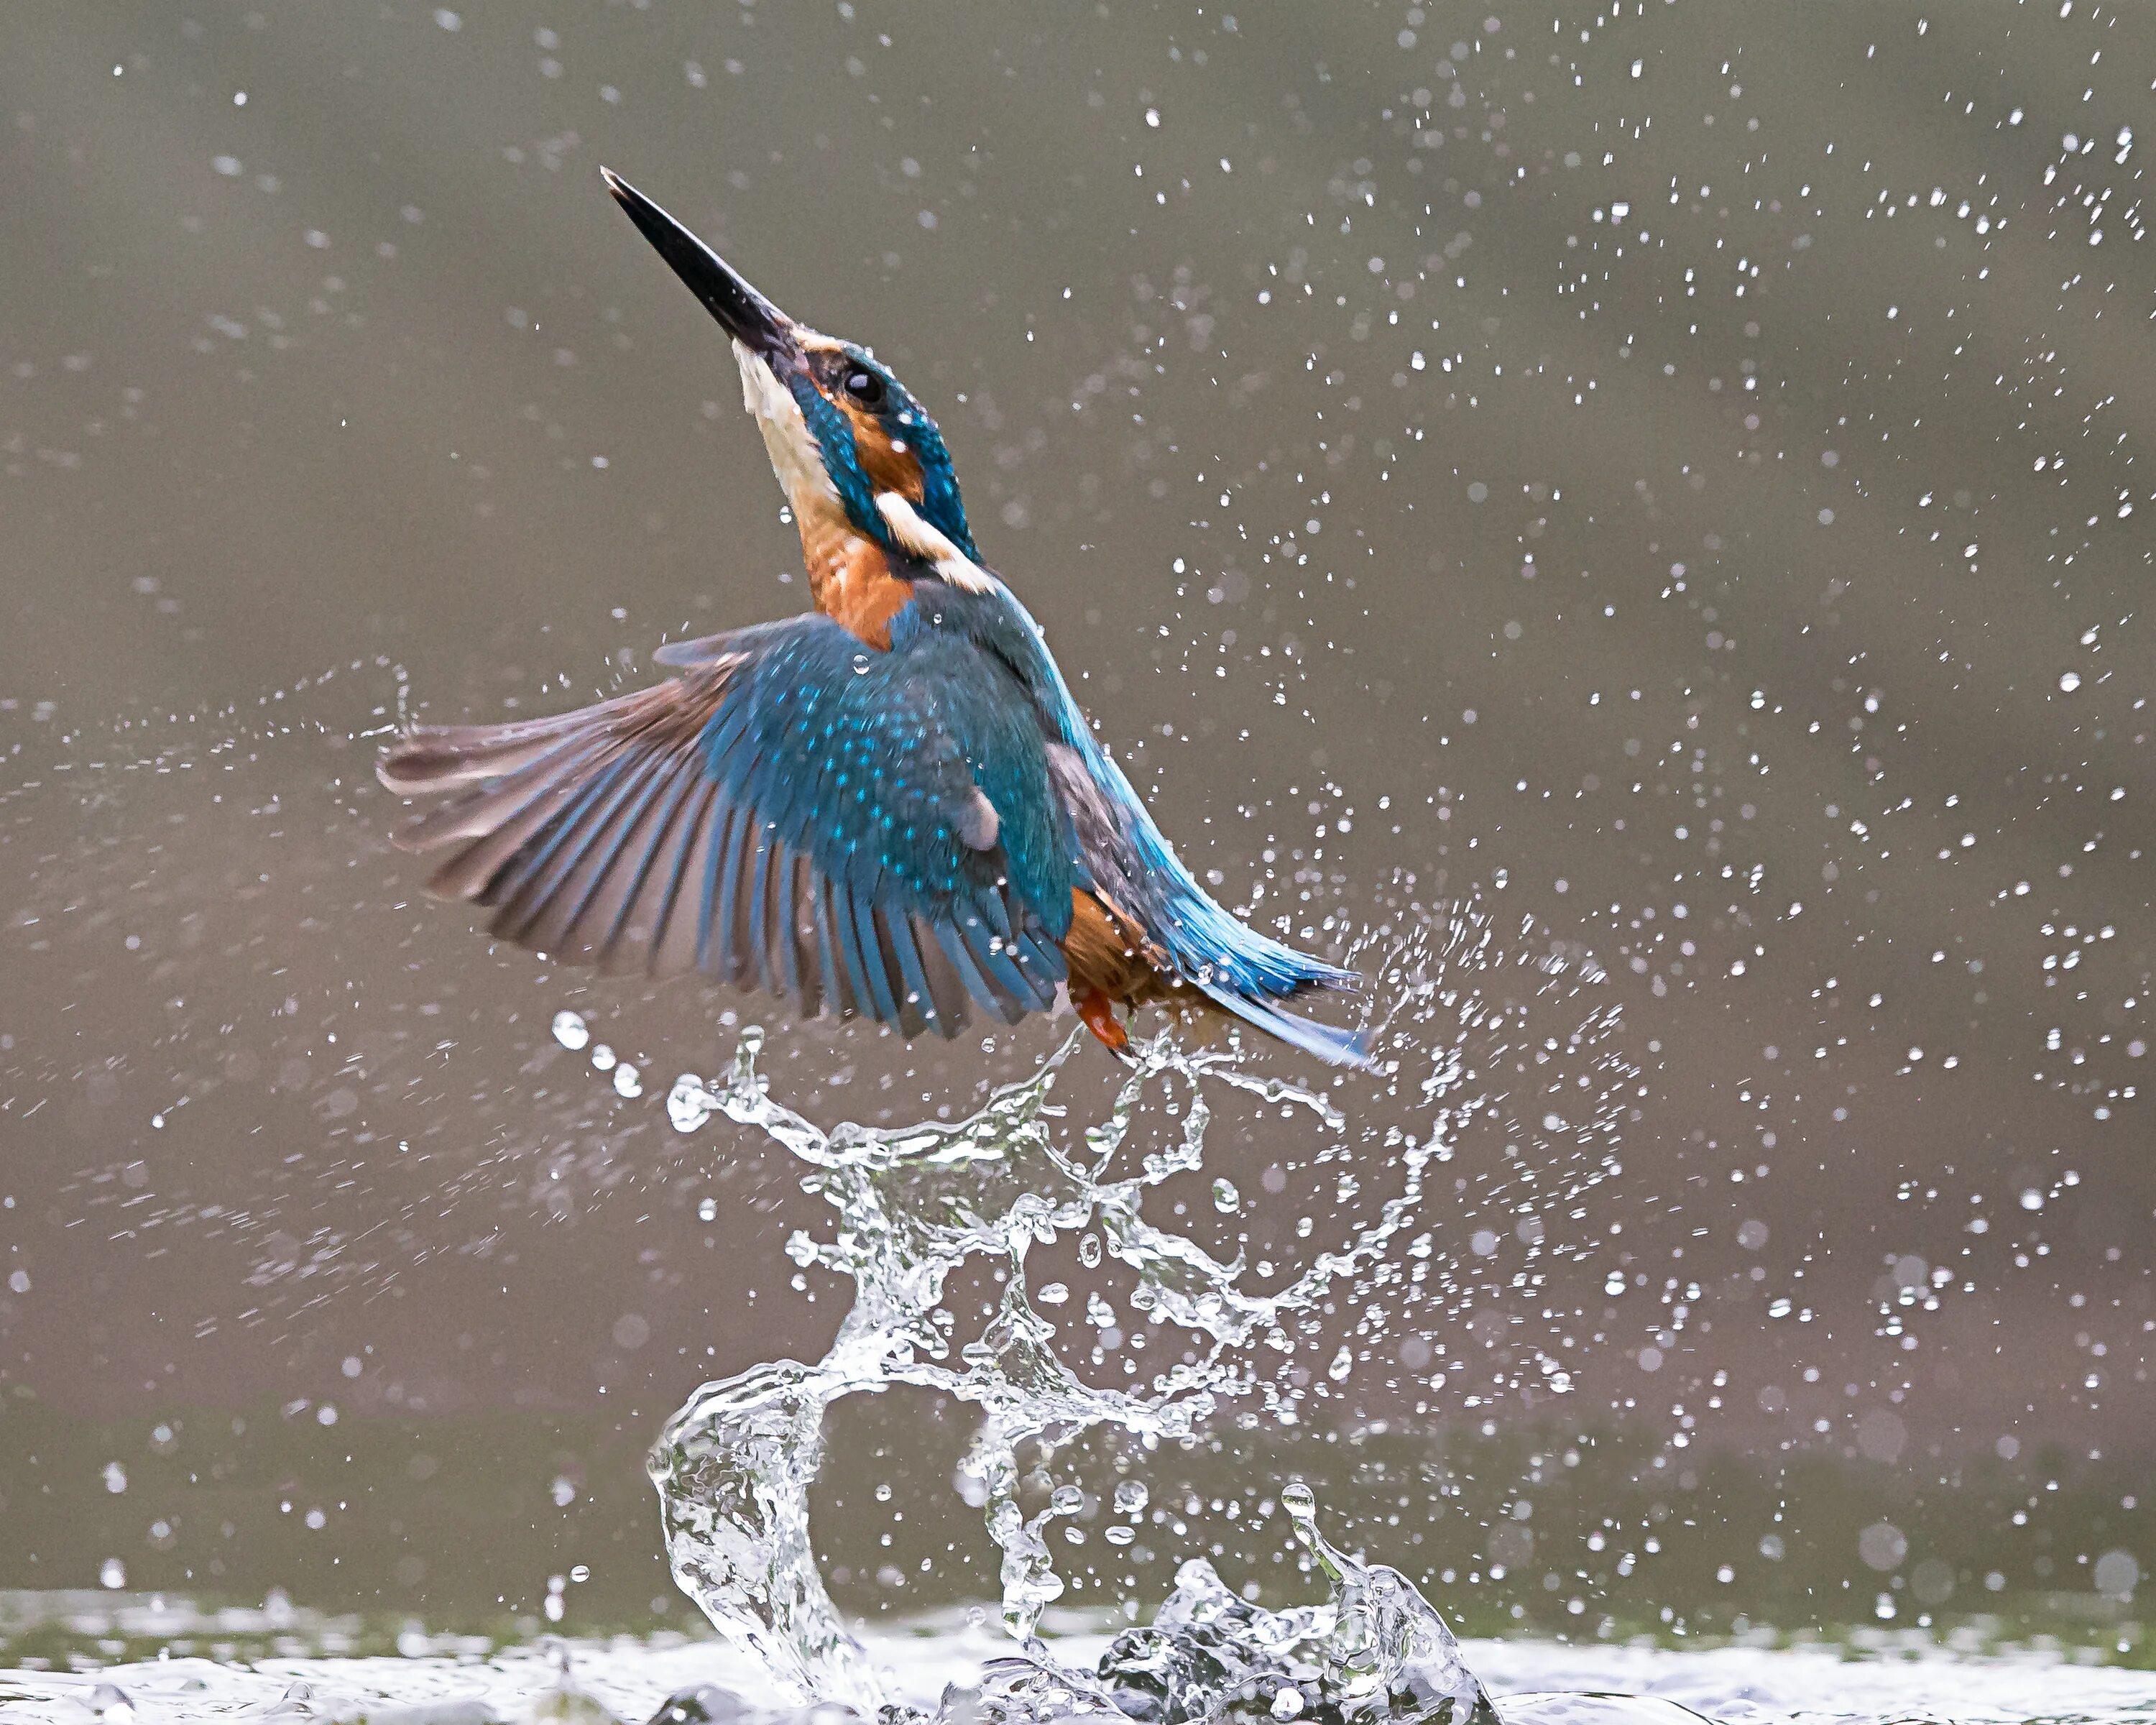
x: 1334, y: 1046
x: 1249, y: 974
x: 1246, y: 974
x: 1253, y: 975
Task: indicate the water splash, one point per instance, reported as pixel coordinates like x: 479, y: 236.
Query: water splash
x: 913, y: 1204
x: 1376, y: 1650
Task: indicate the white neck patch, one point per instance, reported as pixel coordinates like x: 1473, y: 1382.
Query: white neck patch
x: 932, y: 545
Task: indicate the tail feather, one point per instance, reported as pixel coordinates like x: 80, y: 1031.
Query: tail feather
x: 1329, y: 1043
x: 1204, y: 939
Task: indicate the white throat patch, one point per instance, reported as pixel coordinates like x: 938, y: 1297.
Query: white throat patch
x: 794, y: 456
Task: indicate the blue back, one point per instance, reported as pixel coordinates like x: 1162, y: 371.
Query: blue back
x: 1203, y: 940
x: 865, y: 755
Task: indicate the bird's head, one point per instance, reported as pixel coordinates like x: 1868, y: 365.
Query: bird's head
x: 856, y: 454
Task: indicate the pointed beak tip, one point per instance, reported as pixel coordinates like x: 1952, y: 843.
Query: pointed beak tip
x: 742, y: 311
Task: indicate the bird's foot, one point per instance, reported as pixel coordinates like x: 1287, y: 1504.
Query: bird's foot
x: 1099, y: 1013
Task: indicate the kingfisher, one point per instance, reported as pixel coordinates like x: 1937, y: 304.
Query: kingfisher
x: 891, y: 807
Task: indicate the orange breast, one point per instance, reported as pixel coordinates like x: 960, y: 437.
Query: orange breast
x: 849, y: 579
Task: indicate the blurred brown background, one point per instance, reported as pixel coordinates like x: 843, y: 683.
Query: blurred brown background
x: 1672, y: 480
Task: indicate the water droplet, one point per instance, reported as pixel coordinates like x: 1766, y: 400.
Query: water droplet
x: 570, y: 1030
x: 689, y: 1105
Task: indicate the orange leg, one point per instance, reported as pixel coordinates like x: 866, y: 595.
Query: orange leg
x: 1099, y: 1013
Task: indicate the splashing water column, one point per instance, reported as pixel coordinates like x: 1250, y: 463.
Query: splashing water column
x: 734, y: 1468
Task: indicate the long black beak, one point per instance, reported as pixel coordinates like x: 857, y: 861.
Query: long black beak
x: 742, y: 312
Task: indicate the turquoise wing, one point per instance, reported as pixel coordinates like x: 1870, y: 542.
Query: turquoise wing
x: 858, y: 832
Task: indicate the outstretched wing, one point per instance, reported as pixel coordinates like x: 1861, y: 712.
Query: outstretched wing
x: 868, y: 833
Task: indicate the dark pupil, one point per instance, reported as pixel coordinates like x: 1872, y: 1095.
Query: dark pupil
x: 865, y: 387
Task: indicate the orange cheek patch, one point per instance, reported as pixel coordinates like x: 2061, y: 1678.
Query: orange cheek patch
x: 889, y: 468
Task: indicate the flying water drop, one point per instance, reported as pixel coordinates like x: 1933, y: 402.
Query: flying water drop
x: 570, y: 1030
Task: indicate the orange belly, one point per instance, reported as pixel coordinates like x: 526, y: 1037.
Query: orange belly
x: 1112, y: 964
x: 1109, y: 954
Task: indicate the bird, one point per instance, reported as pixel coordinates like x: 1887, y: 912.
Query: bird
x: 890, y: 806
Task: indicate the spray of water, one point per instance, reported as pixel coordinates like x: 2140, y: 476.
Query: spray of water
x: 913, y: 1204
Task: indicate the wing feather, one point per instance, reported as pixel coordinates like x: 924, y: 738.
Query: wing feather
x: 796, y: 980
x: 676, y: 940
x: 876, y: 962
x: 848, y: 940
x: 916, y: 1002
x: 770, y: 853
x: 788, y: 814
x: 640, y: 875
x: 1001, y: 1002
x: 817, y: 901
x: 717, y: 858
x: 526, y: 890
x: 947, y: 988
x: 737, y: 963
x: 605, y: 850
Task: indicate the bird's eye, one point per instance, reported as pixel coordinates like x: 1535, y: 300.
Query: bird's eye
x: 865, y: 387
